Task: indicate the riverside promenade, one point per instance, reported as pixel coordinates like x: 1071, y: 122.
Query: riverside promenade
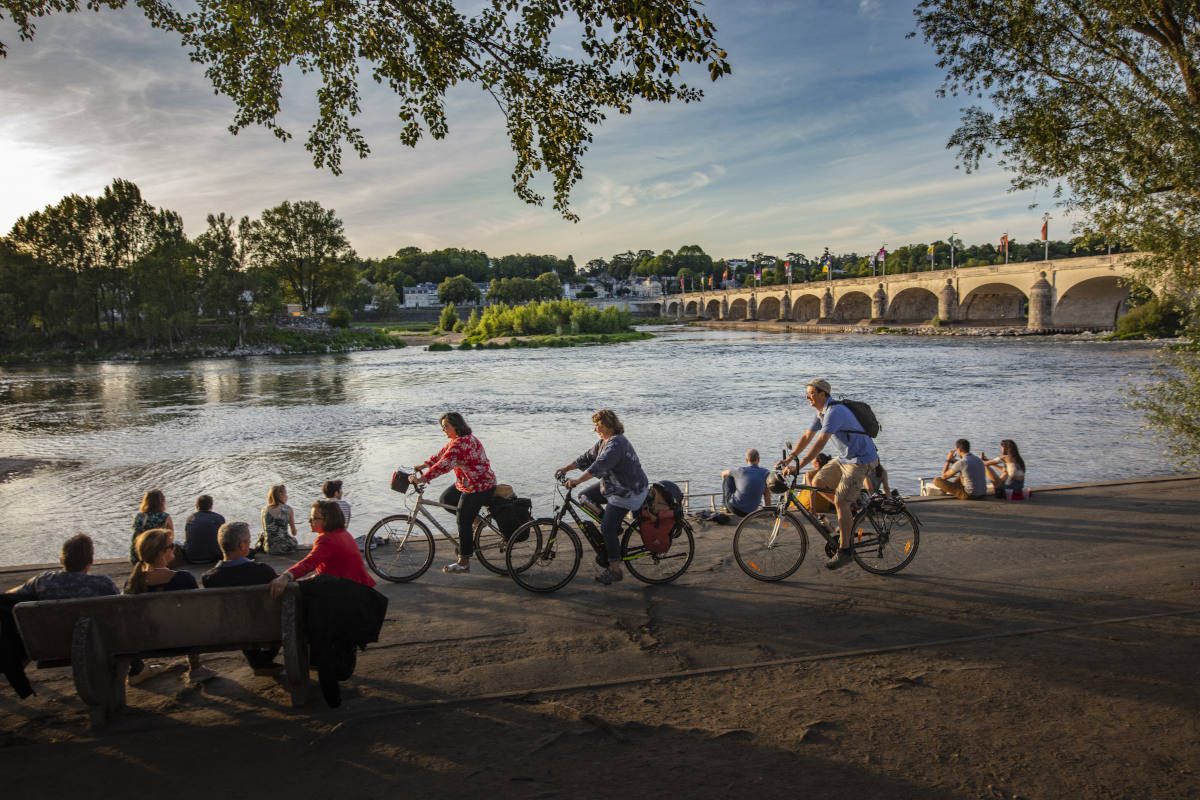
x: 1042, y: 649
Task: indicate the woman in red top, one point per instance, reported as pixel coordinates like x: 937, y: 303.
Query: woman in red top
x: 334, y: 552
x: 474, y: 481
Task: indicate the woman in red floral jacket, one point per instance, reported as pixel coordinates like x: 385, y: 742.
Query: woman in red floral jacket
x: 474, y: 483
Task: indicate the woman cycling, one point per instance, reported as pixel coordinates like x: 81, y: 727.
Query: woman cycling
x: 623, y: 484
x: 474, y: 483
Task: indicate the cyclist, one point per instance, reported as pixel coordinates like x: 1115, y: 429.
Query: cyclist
x: 474, y: 483
x: 857, y: 458
x: 623, y: 484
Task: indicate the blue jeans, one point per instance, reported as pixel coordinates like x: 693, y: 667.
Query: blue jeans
x: 728, y: 490
x: 610, y: 522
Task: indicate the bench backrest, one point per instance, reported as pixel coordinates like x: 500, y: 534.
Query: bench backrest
x: 143, y: 623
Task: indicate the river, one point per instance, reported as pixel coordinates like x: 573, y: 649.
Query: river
x: 692, y: 401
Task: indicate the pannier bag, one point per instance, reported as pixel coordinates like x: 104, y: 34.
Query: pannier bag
x: 663, y: 508
x: 511, y: 513
x: 400, y: 481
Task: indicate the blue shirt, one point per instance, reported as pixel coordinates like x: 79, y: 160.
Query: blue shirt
x: 838, y: 420
x: 750, y: 482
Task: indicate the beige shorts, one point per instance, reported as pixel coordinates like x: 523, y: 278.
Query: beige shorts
x: 847, y: 477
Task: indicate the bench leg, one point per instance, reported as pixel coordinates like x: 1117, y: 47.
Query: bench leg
x: 295, y: 647
x: 99, y: 678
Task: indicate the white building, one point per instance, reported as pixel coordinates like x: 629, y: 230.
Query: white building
x: 422, y: 295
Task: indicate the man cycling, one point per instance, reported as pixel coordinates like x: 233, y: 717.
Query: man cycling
x: 856, y: 457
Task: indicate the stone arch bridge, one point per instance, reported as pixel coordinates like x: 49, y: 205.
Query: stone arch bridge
x: 1079, y: 293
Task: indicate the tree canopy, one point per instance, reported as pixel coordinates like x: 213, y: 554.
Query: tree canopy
x: 1097, y: 99
x: 624, y: 51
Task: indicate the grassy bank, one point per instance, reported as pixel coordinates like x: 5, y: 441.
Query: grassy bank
x: 549, y: 340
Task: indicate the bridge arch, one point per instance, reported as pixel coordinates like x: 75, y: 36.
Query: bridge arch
x: 768, y: 308
x: 739, y: 309
x: 914, y: 304
x: 713, y: 309
x: 673, y: 308
x: 806, y: 307
x: 691, y: 309
x: 999, y: 303
x: 852, y: 307
x: 1093, y: 303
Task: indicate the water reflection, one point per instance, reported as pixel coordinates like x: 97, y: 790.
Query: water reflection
x: 692, y: 400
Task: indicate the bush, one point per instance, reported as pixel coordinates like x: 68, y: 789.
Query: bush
x: 1154, y: 319
x: 438, y: 347
x: 339, y: 317
x: 449, y: 318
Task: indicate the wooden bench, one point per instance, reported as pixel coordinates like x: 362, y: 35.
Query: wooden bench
x: 98, y: 637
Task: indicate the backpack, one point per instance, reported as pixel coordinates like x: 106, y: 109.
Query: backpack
x: 511, y: 513
x: 863, y: 413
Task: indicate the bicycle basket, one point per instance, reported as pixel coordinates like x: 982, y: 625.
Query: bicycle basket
x: 400, y: 481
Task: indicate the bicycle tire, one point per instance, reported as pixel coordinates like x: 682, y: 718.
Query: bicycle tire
x: 399, y: 548
x: 769, y: 546
x: 651, y: 567
x: 543, y: 555
x: 885, y: 542
x: 490, y: 545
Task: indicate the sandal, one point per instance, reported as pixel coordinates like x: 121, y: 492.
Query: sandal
x: 456, y: 569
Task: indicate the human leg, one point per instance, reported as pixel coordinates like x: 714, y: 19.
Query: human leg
x: 728, y: 488
x: 848, y: 487
x: 610, y: 529
x: 952, y: 488
x: 469, y: 504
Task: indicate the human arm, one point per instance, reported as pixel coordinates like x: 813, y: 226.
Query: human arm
x: 804, y: 439
x: 953, y: 466
x: 818, y: 444
x: 169, y: 524
x: 292, y: 522
x: 279, y: 584
x: 442, y: 461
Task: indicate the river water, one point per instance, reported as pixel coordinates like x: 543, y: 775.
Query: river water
x: 693, y: 400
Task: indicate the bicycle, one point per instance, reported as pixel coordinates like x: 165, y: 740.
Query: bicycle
x: 770, y: 544
x: 399, y: 548
x: 544, y: 554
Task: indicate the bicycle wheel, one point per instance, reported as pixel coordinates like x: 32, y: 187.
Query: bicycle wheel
x: 884, y: 541
x: 490, y: 545
x: 543, y: 555
x: 657, y: 567
x: 769, y: 546
x: 399, y: 548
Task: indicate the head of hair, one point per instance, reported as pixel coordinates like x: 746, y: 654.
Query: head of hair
x: 455, y: 420
x: 77, y: 553
x: 149, y: 547
x: 274, y: 493
x: 821, y: 385
x: 1009, y: 448
x: 823, y: 459
x: 330, y: 514
x: 153, y: 500
x: 608, y: 419
x: 963, y: 445
x: 752, y: 456
x: 330, y: 488
x: 231, y: 535
x: 204, y: 502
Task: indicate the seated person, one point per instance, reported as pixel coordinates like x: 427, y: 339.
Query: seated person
x: 1011, y: 476
x: 333, y: 491
x: 73, y: 579
x: 816, y: 502
x: 333, y: 553
x: 744, y: 488
x: 238, y: 570
x: 964, y: 475
x: 200, y: 533
x: 155, y: 549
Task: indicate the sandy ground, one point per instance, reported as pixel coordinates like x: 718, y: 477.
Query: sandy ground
x: 1036, y: 650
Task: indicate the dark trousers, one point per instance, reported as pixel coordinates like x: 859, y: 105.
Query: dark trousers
x: 469, y: 504
x: 610, y: 522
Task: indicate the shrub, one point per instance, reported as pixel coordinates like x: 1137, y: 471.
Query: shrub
x: 1154, y: 319
x: 449, y: 318
x: 339, y: 317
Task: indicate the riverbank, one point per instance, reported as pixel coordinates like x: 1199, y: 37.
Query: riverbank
x: 1033, y: 650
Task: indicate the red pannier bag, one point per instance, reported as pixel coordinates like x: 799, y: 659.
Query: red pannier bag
x: 656, y: 530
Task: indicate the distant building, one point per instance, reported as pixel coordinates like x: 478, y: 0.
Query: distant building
x: 422, y: 295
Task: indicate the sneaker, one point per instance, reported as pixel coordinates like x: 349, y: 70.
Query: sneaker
x: 842, y: 558
x: 608, y: 577
x: 201, y: 674
x: 455, y: 568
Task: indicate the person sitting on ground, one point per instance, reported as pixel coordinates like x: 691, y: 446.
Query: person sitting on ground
x: 73, y: 579
x: 155, y: 549
x: 277, y: 520
x: 964, y: 475
x: 334, y: 551
x: 200, y: 533
x: 151, y: 514
x: 744, y: 488
x: 816, y: 502
x: 1012, y: 475
x: 877, y: 479
x: 333, y: 491
x: 236, y: 569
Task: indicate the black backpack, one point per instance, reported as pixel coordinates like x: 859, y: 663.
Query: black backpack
x: 863, y: 413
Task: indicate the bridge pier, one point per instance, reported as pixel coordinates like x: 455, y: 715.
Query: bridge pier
x: 1041, y: 305
x: 878, y: 304
x: 948, y: 302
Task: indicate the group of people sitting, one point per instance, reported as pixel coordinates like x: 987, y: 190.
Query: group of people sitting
x: 200, y: 545
x: 971, y: 477
x: 334, y: 553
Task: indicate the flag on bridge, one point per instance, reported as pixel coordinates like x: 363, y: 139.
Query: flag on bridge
x: 929, y: 253
x: 881, y: 256
x: 1004, y: 242
x: 1044, y: 224
x: 681, y: 283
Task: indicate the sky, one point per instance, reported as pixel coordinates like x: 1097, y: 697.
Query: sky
x: 828, y: 133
